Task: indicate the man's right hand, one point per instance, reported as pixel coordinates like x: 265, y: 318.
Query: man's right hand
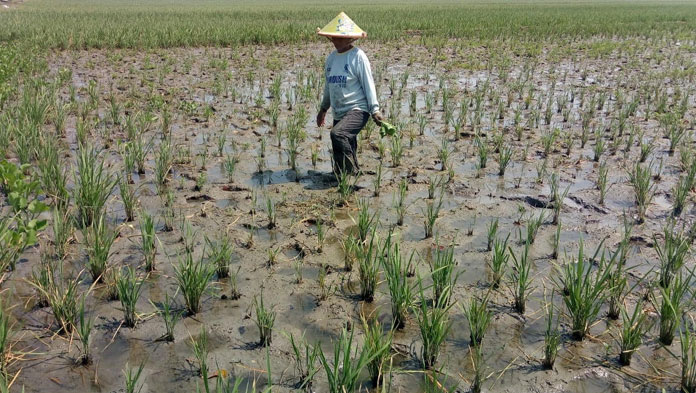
x: 320, y: 118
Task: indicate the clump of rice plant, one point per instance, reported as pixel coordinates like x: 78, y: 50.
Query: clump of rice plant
x: 346, y: 185
x: 479, y: 317
x: 6, y: 333
x: 688, y: 358
x: 62, y: 297
x: 434, y: 325
x: 377, y: 182
x: 128, y: 197
x: 672, y: 306
x: 200, y: 348
x: 93, y: 185
x: 680, y: 192
x: 368, y: 268
x: 520, y: 278
x: 499, y: 261
x: 129, y: 288
x: 631, y: 334
x: 672, y: 252
x: 220, y: 252
x: 584, y: 292
x: 270, y: 212
x: 348, y: 363
x: 193, y: 278
x: 99, y: 237
x: 504, y: 157
x: 602, y: 182
x: 640, y: 178
x: 442, y: 273
x: 552, y: 337
x: 265, y: 319
x: 400, y: 291
x: 148, y: 245
x: 377, y: 344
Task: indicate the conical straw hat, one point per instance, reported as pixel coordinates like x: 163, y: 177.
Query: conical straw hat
x: 342, y: 26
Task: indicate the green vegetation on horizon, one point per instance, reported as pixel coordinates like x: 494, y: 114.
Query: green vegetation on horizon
x: 177, y: 23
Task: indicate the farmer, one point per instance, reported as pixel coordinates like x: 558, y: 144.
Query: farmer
x: 349, y: 90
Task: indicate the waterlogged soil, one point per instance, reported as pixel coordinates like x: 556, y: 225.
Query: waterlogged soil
x: 236, y: 86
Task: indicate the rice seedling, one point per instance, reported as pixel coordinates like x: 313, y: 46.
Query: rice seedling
x: 397, y: 149
x: 400, y: 291
x: 305, y: 357
x: 272, y: 256
x: 128, y: 197
x: 602, y: 186
x: 62, y: 232
x: 147, y: 240
x: 533, y: 225
x: 93, y: 185
x: 482, y: 148
x: 646, y: 148
x: 220, y: 254
x: 478, y: 365
x: 617, y: 286
x: 631, y: 334
x: 230, y: 167
x: 188, y: 235
x: 368, y: 268
x: 265, y: 319
x: 163, y: 164
x: 584, y: 292
x: 62, y: 298
x: 556, y: 241
x: 321, y: 235
x: 434, y: 182
x: 640, y: 178
x: 479, y: 317
x: 491, y: 234
x: 442, y: 273
x: 504, y: 157
x: 434, y: 325
x: 84, y: 329
x: 444, y: 154
x: 431, y: 212
x: 520, y: 278
x: 200, y: 348
x: 344, y: 371
x: 365, y: 222
x: 99, y: 237
x: 270, y: 212
x: 129, y: 288
x: 234, y: 288
x: 377, y: 181
x: 688, y: 358
x: 680, y: 192
x: 552, y: 337
x: 399, y: 202
x: 499, y: 261
x: 672, y: 306
x: 599, y: 147
x: 169, y: 315
x: 672, y: 252
x: 558, y: 198
x: 377, y: 345
x: 193, y: 279
x: 346, y: 185
x: 132, y: 378
x: 350, y: 246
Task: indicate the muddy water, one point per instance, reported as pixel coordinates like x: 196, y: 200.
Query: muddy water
x: 472, y: 200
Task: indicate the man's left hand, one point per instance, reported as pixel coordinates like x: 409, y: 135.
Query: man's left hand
x: 377, y: 118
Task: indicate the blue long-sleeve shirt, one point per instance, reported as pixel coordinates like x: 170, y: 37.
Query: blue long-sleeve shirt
x: 349, y: 84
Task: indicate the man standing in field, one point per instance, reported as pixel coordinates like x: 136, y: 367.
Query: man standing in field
x: 349, y: 90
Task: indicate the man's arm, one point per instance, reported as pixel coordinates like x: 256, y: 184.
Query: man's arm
x: 368, y: 86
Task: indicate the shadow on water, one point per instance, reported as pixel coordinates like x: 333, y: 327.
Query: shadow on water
x: 310, y: 180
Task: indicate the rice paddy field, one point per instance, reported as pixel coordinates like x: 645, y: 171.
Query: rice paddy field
x: 170, y: 221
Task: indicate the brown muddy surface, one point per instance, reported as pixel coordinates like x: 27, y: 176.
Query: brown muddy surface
x: 235, y: 84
